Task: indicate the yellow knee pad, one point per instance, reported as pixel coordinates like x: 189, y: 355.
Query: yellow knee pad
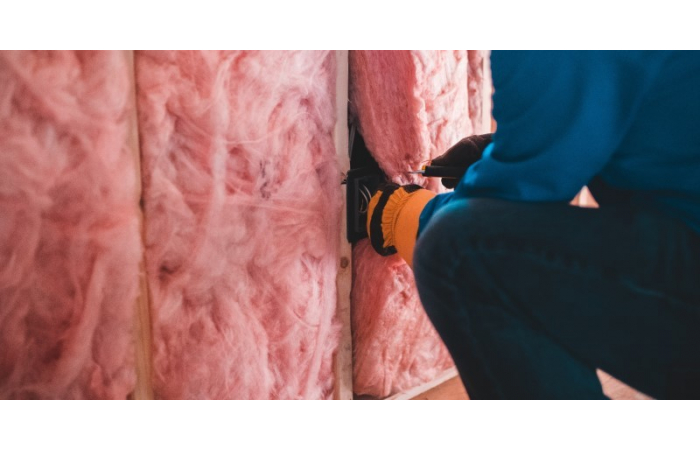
x: 393, y: 218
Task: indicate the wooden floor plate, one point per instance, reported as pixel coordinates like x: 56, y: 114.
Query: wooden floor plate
x: 451, y: 389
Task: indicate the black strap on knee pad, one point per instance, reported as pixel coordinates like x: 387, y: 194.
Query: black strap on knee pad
x: 375, y: 224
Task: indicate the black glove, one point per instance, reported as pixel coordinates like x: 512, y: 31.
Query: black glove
x: 463, y: 154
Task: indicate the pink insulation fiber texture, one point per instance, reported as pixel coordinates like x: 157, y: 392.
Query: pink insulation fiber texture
x: 242, y: 217
x: 69, y: 228
x: 478, y: 84
x: 411, y: 106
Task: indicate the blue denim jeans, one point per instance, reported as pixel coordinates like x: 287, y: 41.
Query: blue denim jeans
x: 531, y: 298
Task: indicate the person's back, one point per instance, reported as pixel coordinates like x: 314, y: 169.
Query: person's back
x: 626, y: 120
x: 658, y: 158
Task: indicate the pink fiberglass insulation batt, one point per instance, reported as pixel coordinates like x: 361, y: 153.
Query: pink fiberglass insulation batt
x: 478, y: 84
x: 242, y: 204
x: 69, y: 233
x: 411, y: 106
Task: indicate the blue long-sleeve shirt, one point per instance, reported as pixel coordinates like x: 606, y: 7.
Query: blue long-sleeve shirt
x: 628, y: 119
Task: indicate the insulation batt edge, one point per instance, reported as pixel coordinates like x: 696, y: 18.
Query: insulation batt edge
x: 242, y: 218
x: 69, y: 236
x: 411, y: 106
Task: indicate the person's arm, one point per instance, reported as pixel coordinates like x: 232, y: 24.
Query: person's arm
x: 561, y: 116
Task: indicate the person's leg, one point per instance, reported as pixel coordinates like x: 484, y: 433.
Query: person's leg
x: 531, y: 298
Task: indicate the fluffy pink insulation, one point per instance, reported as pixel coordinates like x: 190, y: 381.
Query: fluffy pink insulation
x: 69, y: 234
x: 411, y: 106
x: 478, y: 84
x: 242, y: 203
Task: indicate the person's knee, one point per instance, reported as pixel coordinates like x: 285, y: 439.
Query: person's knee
x: 458, y: 238
x: 449, y: 230
x: 476, y: 222
x: 442, y: 245
x: 440, y: 259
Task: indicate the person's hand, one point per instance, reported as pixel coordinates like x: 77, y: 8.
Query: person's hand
x: 463, y: 154
x: 393, y: 217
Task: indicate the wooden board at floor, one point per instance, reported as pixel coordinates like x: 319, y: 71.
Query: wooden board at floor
x: 451, y: 389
